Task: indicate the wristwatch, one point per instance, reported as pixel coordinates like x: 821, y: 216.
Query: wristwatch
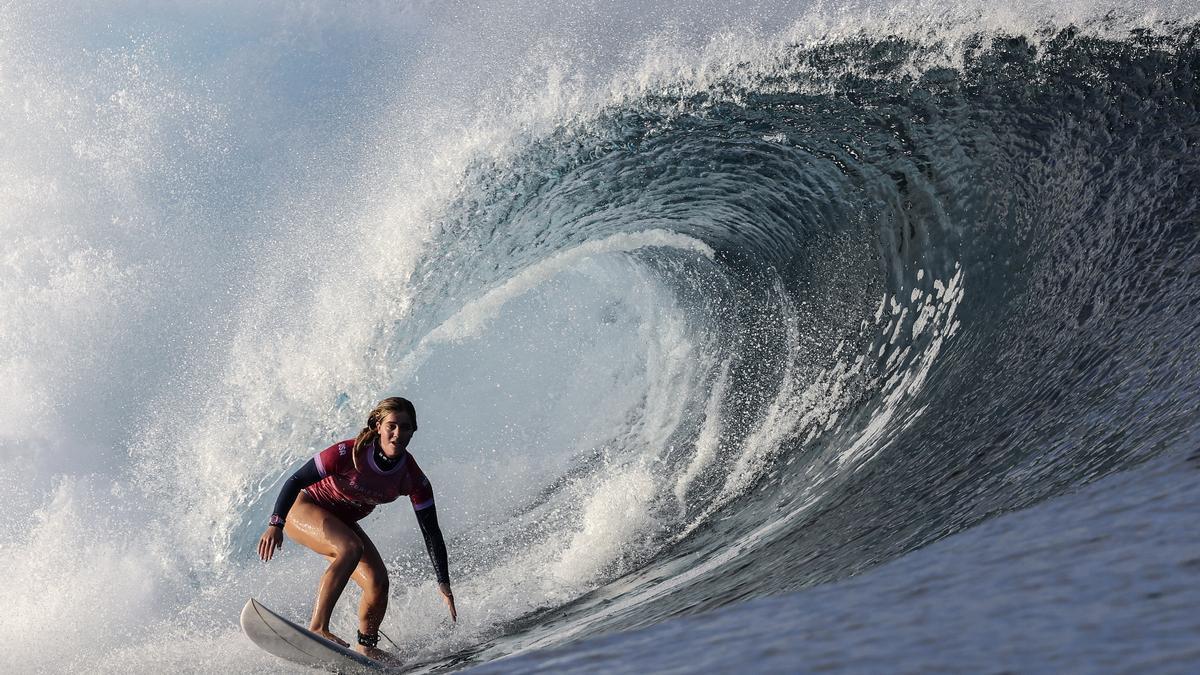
x: 275, y: 521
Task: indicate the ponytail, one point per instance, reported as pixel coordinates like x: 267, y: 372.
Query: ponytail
x: 365, y: 438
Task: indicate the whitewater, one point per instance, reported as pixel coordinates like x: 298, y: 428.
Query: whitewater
x: 767, y: 336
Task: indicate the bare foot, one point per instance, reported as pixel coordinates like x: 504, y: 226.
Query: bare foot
x: 329, y: 636
x: 378, y: 655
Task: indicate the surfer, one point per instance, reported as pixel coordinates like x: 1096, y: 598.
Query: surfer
x: 321, y: 504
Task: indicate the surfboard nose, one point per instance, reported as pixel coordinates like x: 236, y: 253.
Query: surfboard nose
x: 276, y: 635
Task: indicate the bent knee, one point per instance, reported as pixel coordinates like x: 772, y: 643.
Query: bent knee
x: 350, y: 548
x: 372, y: 576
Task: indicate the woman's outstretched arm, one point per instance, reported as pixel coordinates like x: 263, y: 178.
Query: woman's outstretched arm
x: 304, y: 476
x: 435, y: 545
x: 272, y: 538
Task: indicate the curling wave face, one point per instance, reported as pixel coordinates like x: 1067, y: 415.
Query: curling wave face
x: 933, y: 295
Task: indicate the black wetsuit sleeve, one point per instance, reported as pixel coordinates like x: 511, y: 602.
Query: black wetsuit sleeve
x: 304, y: 476
x: 434, y: 544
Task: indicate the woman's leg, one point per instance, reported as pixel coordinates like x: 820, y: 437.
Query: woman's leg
x: 371, y: 576
x: 337, y: 540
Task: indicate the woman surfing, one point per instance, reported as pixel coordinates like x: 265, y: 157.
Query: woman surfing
x: 320, y: 506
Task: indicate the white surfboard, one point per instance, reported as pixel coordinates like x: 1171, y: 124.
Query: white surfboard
x: 276, y: 635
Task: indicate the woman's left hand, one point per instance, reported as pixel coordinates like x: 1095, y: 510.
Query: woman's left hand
x: 448, y: 597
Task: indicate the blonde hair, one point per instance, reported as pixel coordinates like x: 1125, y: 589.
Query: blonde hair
x: 370, y: 433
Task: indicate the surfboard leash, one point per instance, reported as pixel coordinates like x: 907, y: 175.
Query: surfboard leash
x: 389, y: 639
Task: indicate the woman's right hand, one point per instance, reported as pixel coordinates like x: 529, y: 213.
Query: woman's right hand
x: 271, y: 540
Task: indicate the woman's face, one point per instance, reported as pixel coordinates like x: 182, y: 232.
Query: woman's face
x: 395, y: 431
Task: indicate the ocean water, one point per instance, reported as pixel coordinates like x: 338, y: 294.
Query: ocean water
x: 769, y: 336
